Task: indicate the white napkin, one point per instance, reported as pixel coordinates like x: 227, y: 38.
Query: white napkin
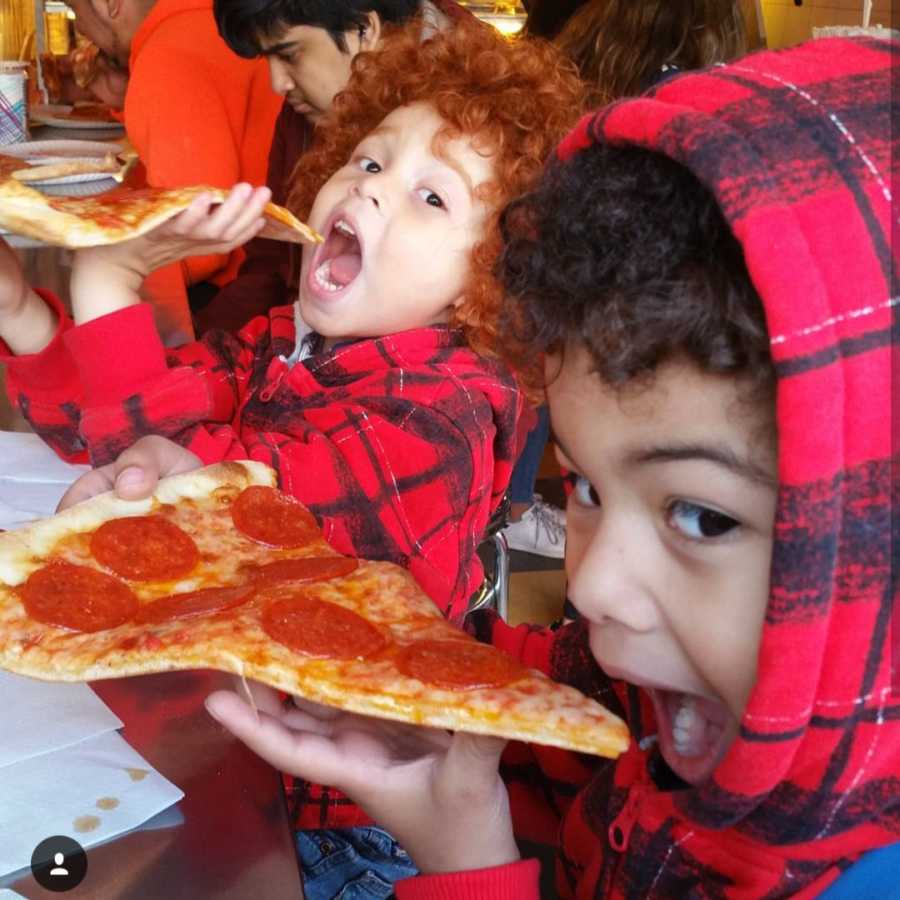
x: 32, y: 478
x: 91, y: 791
x: 48, y: 716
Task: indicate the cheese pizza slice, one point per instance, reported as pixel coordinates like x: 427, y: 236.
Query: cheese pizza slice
x: 120, y: 215
x: 218, y: 569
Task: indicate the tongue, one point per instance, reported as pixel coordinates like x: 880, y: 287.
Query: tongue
x: 345, y: 268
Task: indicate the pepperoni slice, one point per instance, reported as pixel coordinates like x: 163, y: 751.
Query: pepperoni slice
x: 458, y: 664
x: 301, y: 571
x: 320, y: 629
x: 268, y: 516
x: 144, y: 548
x: 194, y: 603
x: 77, y: 598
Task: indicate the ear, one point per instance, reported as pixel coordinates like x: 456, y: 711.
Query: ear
x: 108, y: 9
x: 371, y: 37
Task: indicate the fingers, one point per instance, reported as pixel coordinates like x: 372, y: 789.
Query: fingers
x: 261, y: 696
x: 318, y: 710
x: 97, y: 481
x: 137, y: 471
x: 300, y: 753
x: 471, y: 766
x: 135, y: 474
x: 235, y: 221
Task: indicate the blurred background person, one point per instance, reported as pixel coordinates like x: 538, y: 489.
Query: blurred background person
x: 621, y: 48
x: 624, y: 47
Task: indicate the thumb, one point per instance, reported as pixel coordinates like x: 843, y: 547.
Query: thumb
x: 137, y: 471
x: 474, y: 760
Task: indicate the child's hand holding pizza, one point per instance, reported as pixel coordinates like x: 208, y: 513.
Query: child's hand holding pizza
x: 26, y: 322
x: 134, y: 475
x: 406, y: 777
x: 108, y: 278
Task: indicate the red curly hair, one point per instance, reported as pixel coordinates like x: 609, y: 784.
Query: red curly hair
x: 514, y: 99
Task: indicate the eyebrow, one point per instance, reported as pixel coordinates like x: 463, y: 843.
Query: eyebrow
x: 720, y: 456
x: 463, y: 174
x: 275, y: 49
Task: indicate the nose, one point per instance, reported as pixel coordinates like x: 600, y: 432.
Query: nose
x: 372, y: 186
x: 608, y: 576
x: 280, y: 77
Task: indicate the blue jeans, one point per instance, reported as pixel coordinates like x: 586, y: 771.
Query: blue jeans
x: 524, y: 475
x: 352, y: 863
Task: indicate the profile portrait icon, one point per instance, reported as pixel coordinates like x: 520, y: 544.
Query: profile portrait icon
x: 59, y: 863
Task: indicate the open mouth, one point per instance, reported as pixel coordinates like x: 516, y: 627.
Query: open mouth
x: 694, y: 732
x: 339, y: 259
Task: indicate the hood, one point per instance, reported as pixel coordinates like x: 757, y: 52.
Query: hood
x: 796, y: 147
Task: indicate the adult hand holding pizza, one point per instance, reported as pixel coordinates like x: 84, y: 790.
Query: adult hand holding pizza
x: 107, y: 278
x: 27, y: 324
x: 134, y: 475
x: 405, y: 776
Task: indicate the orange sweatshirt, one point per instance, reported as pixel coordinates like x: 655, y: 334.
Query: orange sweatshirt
x: 197, y: 113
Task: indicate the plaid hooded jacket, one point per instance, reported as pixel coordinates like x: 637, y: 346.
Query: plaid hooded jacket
x: 796, y: 146
x: 401, y: 446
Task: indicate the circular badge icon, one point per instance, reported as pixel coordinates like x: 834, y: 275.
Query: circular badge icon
x: 59, y: 863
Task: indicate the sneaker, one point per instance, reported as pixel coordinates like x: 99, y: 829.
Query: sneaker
x: 541, y: 530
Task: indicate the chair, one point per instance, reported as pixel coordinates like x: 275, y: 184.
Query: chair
x: 494, y: 590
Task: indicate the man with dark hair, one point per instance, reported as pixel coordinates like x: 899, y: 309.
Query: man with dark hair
x: 309, y: 46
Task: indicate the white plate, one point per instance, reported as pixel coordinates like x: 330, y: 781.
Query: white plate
x: 33, y: 150
x: 46, y: 152
x: 57, y: 117
x: 79, y: 188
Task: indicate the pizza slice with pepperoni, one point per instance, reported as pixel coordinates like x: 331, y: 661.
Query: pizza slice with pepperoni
x: 218, y: 569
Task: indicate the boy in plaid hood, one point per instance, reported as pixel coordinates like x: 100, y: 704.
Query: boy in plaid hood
x: 709, y: 269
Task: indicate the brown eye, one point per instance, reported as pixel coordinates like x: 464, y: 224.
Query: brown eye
x: 700, y: 522
x: 431, y: 198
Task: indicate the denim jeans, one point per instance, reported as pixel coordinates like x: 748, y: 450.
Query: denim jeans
x: 521, y: 484
x: 351, y: 864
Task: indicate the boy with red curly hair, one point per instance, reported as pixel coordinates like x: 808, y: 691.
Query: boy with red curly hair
x: 375, y: 396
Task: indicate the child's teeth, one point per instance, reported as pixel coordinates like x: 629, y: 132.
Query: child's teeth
x: 323, y: 277
x: 688, y: 729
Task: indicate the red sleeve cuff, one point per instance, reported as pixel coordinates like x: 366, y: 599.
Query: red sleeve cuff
x: 116, y: 354
x: 50, y: 369
x: 516, y: 881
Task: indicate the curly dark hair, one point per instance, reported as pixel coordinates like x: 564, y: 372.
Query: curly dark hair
x: 624, y: 250
x: 515, y: 99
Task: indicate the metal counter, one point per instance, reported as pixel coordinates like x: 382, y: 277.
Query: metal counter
x: 231, y: 841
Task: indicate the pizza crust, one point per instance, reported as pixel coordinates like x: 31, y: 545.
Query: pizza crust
x: 120, y: 215
x: 21, y: 551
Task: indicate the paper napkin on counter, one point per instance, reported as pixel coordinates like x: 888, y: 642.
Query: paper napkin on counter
x: 65, y: 770
x: 32, y: 478
x: 91, y: 791
x: 48, y: 716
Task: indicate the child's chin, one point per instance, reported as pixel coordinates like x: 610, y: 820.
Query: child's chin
x: 696, y: 763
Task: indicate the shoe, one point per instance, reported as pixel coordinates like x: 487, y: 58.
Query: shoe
x: 541, y: 530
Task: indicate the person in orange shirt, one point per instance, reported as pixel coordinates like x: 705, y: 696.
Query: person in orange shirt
x: 195, y: 112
